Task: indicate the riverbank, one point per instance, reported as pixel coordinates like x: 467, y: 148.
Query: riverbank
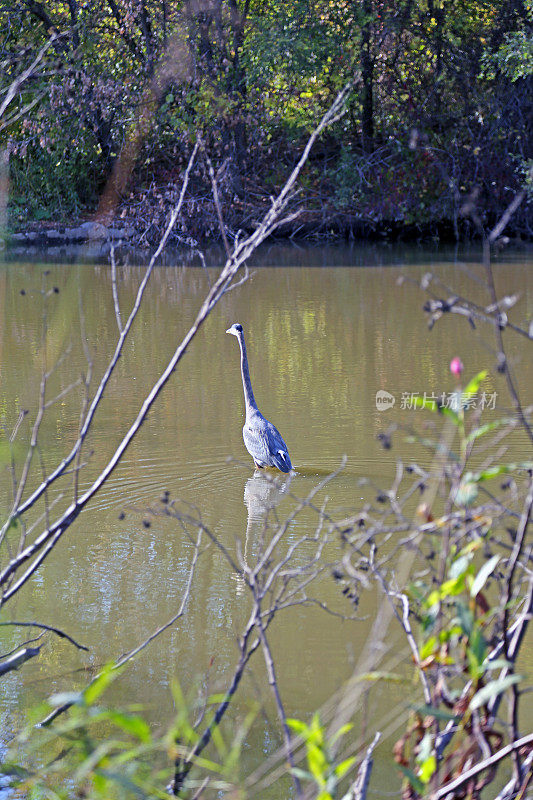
x: 141, y: 222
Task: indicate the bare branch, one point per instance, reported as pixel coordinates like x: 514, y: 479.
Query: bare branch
x: 136, y: 650
x: 115, y: 290
x: 49, y: 537
x: 214, y: 188
x: 23, y: 77
x: 20, y: 657
x: 359, y: 789
x: 22, y: 507
x: 468, y: 774
x: 271, y: 672
x: 57, y: 631
x: 23, y: 111
x: 503, y: 363
x: 506, y: 216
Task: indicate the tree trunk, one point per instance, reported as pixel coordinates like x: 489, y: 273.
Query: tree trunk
x: 367, y: 75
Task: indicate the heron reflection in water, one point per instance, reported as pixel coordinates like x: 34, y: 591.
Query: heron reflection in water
x: 262, y: 493
x: 262, y: 440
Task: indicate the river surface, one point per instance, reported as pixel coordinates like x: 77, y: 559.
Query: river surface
x: 326, y: 329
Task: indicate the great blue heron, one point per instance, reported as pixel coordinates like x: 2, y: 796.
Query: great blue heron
x: 263, y: 441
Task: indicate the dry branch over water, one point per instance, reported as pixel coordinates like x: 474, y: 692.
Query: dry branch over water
x: 446, y: 549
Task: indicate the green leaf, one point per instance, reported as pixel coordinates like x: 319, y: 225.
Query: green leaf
x: 431, y: 405
x: 452, y: 587
x: 341, y: 732
x: 219, y: 742
x: 429, y: 647
x: 238, y: 738
x: 476, y: 651
x: 344, y: 767
x: 433, y: 599
x: 120, y: 780
x: 493, y: 689
x: 316, y: 738
x: 466, y: 620
x: 459, y: 566
x: 487, y: 428
x: 475, y: 670
x: 317, y: 764
x: 478, y: 645
x: 132, y: 724
x: 494, y: 472
x: 451, y: 414
x: 423, y: 402
x: 297, y: 726
x: 100, y: 684
x: 473, y: 385
x: 216, y: 699
x: 427, y: 769
x: 481, y: 578
x: 413, y: 779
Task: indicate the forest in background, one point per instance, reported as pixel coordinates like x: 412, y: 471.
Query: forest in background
x: 102, y: 126
x: 446, y: 541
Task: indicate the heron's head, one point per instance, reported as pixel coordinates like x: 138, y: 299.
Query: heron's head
x: 236, y: 329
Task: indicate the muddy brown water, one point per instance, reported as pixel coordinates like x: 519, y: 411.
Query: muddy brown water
x: 326, y: 329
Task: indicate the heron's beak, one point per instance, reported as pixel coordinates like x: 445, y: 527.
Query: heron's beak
x: 229, y: 330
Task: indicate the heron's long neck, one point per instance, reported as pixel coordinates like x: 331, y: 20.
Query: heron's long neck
x: 249, y: 398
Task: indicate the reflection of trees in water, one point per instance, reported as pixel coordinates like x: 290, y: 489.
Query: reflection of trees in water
x: 263, y: 491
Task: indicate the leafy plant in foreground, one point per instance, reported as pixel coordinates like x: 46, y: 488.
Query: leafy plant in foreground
x: 321, y: 761
x: 104, y: 753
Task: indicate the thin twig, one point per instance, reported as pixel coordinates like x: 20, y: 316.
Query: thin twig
x: 49, y: 537
x: 136, y: 650
x: 214, y: 188
x: 271, y: 672
x: 20, y: 657
x: 17, y: 83
x: 359, y: 789
x: 467, y: 775
x: 116, y: 303
x: 20, y: 509
x: 51, y: 628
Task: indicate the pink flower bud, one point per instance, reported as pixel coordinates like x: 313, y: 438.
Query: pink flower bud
x: 456, y: 366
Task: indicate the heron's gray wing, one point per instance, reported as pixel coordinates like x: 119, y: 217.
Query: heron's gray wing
x: 278, y: 450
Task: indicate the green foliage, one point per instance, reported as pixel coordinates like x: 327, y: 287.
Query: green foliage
x: 105, y: 753
x: 454, y: 618
x: 54, y: 183
x: 322, y: 767
x: 461, y: 413
x: 460, y: 610
x: 255, y: 77
x: 514, y: 56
